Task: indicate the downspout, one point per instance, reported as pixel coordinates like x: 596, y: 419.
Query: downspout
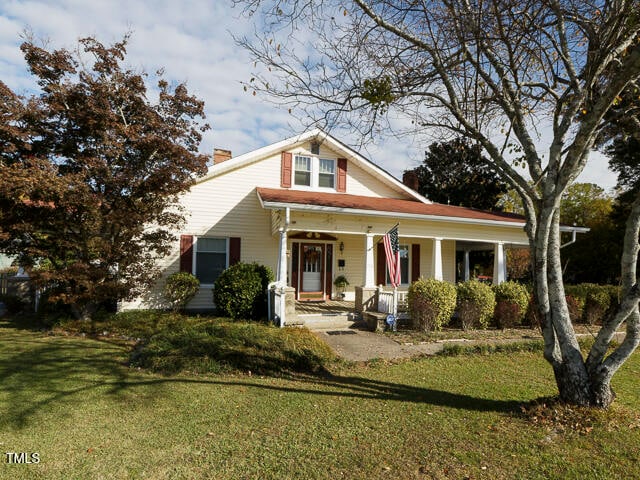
x: 573, y: 240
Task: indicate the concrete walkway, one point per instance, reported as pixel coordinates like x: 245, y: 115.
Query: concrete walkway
x: 360, y: 345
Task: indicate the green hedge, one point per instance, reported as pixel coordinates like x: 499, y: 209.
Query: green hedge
x: 597, y: 300
x: 240, y: 291
x: 431, y: 303
x: 475, y: 304
x: 512, y: 302
x: 180, y: 288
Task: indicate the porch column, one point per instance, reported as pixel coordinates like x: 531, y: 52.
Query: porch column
x: 437, y: 259
x: 467, y: 269
x: 282, y: 267
x: 369, y: 265
x: 499, y: 264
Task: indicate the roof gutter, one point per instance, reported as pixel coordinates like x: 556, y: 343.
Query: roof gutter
x: 573, y: 231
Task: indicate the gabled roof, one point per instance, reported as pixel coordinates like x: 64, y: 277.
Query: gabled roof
x: 322, y: 137
x: 357, y: 204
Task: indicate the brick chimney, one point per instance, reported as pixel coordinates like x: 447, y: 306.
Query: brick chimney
x: 410, y: 179
x: 220, y: 155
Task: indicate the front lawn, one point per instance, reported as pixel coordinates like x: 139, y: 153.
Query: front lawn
x: 77, y: 403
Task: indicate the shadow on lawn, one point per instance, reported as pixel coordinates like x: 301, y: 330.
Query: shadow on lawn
x: 40, y: 373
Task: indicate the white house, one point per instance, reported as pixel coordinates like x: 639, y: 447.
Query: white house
x: 312, y: 208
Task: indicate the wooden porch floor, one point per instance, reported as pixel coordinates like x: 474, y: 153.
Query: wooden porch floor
x: 326, y: 307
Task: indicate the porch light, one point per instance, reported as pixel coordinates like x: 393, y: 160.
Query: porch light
x: 341, y: 247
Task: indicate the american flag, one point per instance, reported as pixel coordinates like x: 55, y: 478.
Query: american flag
x: 392, y: 254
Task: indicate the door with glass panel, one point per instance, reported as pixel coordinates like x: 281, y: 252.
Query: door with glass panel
x: 312, y: 271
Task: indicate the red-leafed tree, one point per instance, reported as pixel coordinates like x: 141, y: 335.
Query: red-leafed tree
x: 91, y: 170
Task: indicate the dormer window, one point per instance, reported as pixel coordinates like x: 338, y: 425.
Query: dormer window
x: 303, y: 171
x: 327, y: 173
x: 314, y: 172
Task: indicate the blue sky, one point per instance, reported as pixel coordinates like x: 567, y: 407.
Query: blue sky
x: 191, y: 40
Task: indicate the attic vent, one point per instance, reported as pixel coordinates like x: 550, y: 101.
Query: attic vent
x: 315, y: 148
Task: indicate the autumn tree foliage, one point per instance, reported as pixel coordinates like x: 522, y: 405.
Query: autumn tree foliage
x: 90, y: 171
x: 454, y: 173
x: 530, y: 81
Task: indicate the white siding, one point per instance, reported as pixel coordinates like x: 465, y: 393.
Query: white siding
x: 359, y: 182
x: 227, y: 205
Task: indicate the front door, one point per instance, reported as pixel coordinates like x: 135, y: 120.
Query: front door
x: 311, y: 271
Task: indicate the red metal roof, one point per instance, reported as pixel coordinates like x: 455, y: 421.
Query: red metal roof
x: 393, y: 205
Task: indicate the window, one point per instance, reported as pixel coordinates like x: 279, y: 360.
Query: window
x: 303, y: 171
x: 327, y: 174
x: 314, y: 172
x: 404, y: 266
x: 211, y: 259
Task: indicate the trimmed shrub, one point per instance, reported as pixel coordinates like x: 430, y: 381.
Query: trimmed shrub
x: 180, y: 288
x: 532, y: 317
x: 579, y: 291
x: 596, y: 306
x: 240, y: 292
x: 597, y: 300
x: 615, y: 294
x: 475, y: 304
x: 512, y: 301
x: 431, y: 303
x: 576, y: 307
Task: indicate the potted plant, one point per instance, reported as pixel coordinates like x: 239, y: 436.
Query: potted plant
x: 341, y: 283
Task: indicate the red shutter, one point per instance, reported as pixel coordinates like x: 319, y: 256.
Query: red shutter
x: 186, y: 253
x: 285, y: 170
x: 234, y: 250
x: 415, y: 262
x: 381, y: 266
x: 342, y: 175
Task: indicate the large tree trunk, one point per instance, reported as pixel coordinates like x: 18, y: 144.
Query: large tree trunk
x: 580, y: 382
x: 562, y: 350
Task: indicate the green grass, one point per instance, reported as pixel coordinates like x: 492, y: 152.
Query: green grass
x: 88, y: 414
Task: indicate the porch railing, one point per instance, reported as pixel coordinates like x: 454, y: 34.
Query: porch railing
x: 392, y: 301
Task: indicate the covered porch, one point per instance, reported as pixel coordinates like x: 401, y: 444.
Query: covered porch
x: 319, y: 244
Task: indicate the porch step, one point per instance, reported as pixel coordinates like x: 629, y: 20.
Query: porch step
x: 328, y: 321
